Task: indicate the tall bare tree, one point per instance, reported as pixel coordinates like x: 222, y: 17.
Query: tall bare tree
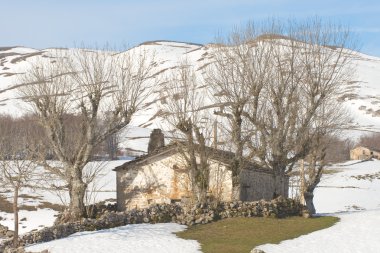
x: 308, y: 71
x: 327, y: 128
x: 183, y: 112
x: 82, y: 97
x: 236, y: 78
x: 311, y: 173
x: 272, y: 83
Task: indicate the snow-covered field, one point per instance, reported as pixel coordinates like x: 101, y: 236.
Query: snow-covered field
x: 352, y: 194
x: 142, y: 238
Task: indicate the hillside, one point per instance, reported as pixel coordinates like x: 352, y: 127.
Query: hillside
x: 362, y: 97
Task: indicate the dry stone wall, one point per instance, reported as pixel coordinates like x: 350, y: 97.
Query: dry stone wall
x: 163, y: 213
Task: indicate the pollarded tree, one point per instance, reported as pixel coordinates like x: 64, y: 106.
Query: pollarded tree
x: 236, y: 78
x: 331, y: 117
x: 81, y: 98
x: 309, y: 70
x: 183, y: 111
x: 271, y: 83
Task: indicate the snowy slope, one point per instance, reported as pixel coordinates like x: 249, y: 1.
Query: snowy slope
x: 14, y: 61
x: 353, y: 195
x: 346, y: 190
x: 355, y: 233
x: 142, y: 238
x: 363, y: 100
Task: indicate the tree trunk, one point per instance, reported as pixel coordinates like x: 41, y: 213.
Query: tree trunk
x: 302, y: 183
x: 15, y: 212
x: 309, y: 196
x: 77, y: 192
x: 202, y: 195
x: 235, y: 194
x: 202, y: 185
x: 278, y: 179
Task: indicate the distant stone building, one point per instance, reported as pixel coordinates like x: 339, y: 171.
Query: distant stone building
x: 362, y: 153
x: 161, y: 177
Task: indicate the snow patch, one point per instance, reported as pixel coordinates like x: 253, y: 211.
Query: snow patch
x: 142, y: 238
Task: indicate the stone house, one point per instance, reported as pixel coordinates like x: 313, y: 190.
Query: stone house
x: 362, y: 153
x: 162, y: 177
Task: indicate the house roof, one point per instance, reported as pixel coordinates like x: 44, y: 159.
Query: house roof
x: 175, y: 147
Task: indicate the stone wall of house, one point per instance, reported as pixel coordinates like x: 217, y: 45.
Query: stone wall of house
x: 256, y: 185
x: 160, y: 213
x: 360, y: 153
x: 220, y: 185
x: 153, y: 183
x: 165, y: 181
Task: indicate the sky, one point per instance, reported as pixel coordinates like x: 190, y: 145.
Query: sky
x: 66, y: 23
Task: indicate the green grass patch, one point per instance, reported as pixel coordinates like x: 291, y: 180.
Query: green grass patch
x: 241, y: 235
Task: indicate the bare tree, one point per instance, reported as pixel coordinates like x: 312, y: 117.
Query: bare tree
x: 311, y: 173
x: 81, y: 98
x: 182, y: 109
x: 308, y: 70
x: 273, y: 84
x: 18, y: 169
x: 236, y: 78
x: 325, y: 130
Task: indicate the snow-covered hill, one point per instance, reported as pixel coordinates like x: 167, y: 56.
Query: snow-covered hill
x: 14, y: 61
x: 362, y: 100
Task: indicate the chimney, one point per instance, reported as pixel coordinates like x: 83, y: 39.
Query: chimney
x: 156, y: 141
